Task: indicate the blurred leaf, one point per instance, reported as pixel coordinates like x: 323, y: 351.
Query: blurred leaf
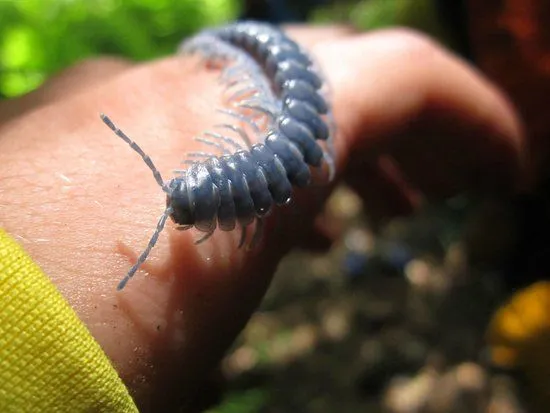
x: 249, y: 401
x: 13, y: 84
x: 41, y: 37
x: 376, y: 14
x: 19, y: 47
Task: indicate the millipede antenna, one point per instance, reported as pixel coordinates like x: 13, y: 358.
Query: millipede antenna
x: 141, y: 259
x: 148, y: 161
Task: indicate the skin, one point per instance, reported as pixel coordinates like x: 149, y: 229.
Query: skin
x: 414, y: 121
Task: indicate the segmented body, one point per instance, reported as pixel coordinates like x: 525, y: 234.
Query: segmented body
x: 277, y: 81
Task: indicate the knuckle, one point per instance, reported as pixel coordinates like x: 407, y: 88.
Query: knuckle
x: 410, y: 43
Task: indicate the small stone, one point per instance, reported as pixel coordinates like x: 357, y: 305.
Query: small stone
x: 241, y: 360
x: 471, y: 376
x: 304, y: 338
x: 410, y: 395
x: 418, y: 272
x: 344, y: 204
x: 359, y: 240
x: 336, y: 323
x: 461, y: 389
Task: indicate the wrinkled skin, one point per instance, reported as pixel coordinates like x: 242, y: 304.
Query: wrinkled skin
x: 84, y: 205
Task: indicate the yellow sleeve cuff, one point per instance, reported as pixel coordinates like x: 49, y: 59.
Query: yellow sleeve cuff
x: 49, y: 362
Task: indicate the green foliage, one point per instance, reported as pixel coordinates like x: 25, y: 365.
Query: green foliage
x: 376, y: 14
x: 248, y: 401
x: 40, y: 37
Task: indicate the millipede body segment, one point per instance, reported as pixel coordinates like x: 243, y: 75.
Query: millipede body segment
x: 253, y: 166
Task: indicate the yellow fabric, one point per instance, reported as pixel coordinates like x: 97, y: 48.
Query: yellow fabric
x: 519, y: 339
x: 49, y: 362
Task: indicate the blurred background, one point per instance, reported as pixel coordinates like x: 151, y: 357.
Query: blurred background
x: 447, y: 310
x: 40, y: 37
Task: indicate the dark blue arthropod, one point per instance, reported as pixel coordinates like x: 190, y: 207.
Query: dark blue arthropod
x: 253, y: 167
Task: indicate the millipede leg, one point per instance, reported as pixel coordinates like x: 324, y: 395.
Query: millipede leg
x: 145, y: 253
x: 244, y: 136
x: 184, y: 162
x: 204, y: 238
x: 231, y: 72
x: 217, y: 145
x: 243, y: 237
x: 244, y: 92
x: 258, y: 234
x: 225, y: 139
x: 242, y: 118
x: 258, y: 108
x: 330, y: 153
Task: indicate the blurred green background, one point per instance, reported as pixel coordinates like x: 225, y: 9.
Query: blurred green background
x: 40, y: 37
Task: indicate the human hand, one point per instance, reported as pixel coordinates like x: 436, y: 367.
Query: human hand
x: 83, y: 204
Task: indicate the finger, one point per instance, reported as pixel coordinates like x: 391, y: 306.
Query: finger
x: 384, y: 192
x: 446, y: 126
x: 309, y: 36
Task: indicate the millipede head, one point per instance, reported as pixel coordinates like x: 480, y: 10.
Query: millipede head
x: 180, y: 200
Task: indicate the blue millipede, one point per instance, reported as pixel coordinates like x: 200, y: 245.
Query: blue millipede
x: 276, y: 79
